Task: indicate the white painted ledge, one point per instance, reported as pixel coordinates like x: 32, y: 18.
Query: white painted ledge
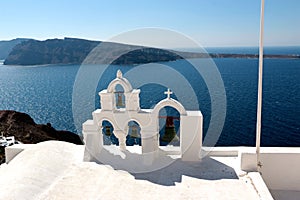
x: 14, y: 150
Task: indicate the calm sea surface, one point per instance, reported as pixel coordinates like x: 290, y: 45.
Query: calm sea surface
x: 45, y: 93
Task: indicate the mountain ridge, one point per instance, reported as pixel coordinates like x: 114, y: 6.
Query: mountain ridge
x: 77, y: 51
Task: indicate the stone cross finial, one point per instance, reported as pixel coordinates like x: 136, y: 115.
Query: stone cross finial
x: 168, y: 93
x: 119, y: 74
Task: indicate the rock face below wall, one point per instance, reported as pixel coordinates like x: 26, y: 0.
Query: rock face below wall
x: 24, y: 129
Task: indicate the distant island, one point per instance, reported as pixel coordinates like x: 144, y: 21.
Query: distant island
x: 54, y: 51
x: 74, y: 51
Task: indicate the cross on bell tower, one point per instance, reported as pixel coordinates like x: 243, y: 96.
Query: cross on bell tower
x: 168, y: 93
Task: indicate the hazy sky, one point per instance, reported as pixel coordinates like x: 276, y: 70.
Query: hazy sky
x: 209, y: 22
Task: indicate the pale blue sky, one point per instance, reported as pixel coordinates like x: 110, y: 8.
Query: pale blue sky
x: 209, y: 22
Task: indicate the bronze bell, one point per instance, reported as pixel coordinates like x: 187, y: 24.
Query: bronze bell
x: 120, y: 100
x: 170, y: 135
x: 134, y: 132
x: 107, y: 131
x: 170, y: 132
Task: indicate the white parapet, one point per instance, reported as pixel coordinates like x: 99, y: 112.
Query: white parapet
x: 191, y: 137
x: 150, y: 142
x: 14, y: 150
x: 93, y: 140
x: 280, y: 166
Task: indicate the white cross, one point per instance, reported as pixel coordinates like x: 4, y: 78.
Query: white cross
x: 168, y: 93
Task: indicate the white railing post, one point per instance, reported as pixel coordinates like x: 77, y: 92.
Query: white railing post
x: 260, y: 77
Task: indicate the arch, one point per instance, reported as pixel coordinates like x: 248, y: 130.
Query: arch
x: 107, y: 131
x: 133, y: 136
x: 169, y: 102
x: 99, y: 121
x: 130, y: 120
x: 169, y: 126
x: 121, y: 81
x: 120, y: 99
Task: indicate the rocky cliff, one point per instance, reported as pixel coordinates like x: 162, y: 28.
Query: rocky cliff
x: 7, y: 46
x: 74, y: 51
x: 52, y: 51
x: 25, y: 130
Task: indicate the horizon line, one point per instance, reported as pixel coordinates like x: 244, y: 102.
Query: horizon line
x: 204, y: 46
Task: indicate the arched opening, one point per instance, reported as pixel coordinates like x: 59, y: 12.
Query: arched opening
x: 109, y: 137
x: 134, y: 134
x: 169, y: 126
x: 119, y: 97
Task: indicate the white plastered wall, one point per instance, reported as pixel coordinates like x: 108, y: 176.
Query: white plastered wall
x: 190, y: 123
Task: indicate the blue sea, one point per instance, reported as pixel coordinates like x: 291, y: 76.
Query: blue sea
x: 45, y: 93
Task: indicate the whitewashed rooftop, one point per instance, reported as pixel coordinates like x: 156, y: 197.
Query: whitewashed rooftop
x: 55, y: 170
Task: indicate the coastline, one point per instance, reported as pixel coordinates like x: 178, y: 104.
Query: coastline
x: 188, y: 56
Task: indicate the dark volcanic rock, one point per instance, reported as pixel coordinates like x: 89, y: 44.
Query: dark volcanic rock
x: 25, y: 130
